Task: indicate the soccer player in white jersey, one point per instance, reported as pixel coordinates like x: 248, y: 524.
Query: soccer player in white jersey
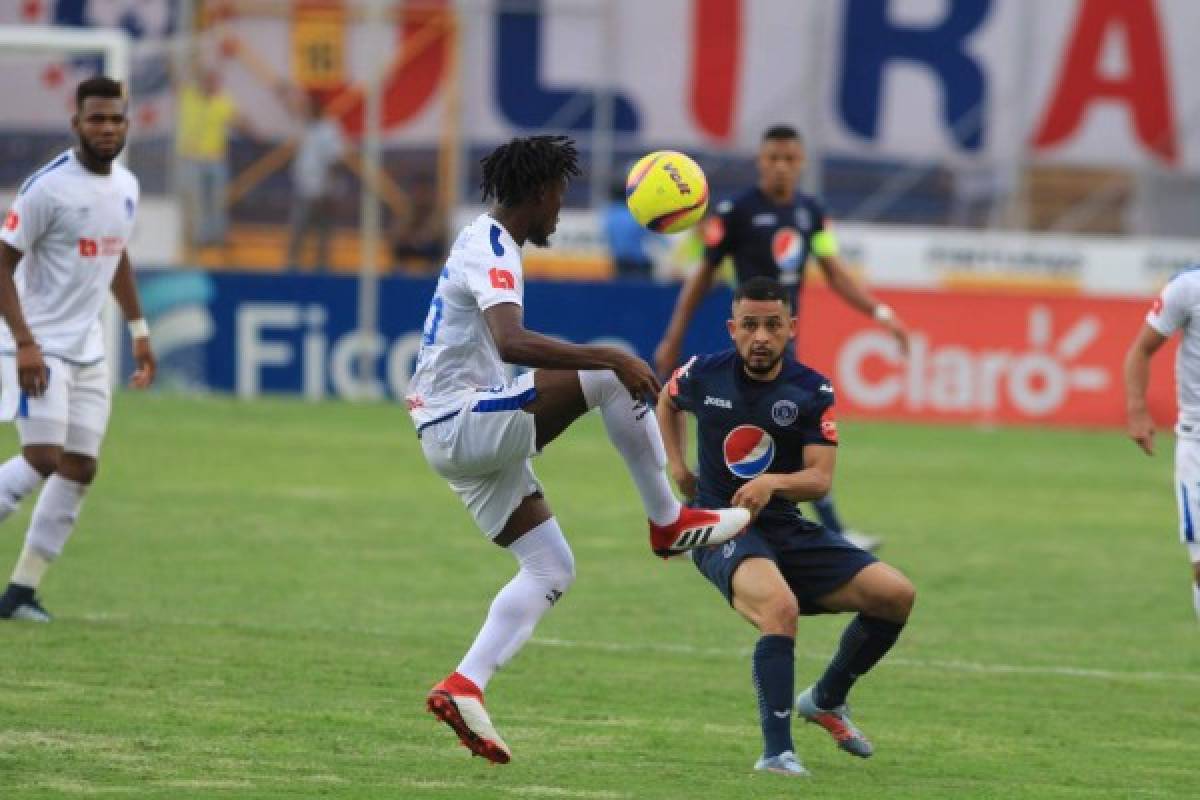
x: 62, y: 248
x: 479, y: 430
x: 1176, y: 309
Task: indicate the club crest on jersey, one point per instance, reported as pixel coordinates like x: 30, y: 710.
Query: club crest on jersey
x: 749, y: 450
x: 784, y: 412
x: 787, y: 246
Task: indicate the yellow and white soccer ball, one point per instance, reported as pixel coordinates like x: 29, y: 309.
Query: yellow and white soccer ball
x: 666, y: 192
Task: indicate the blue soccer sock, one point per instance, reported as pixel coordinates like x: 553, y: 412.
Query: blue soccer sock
x: 864, y: 642
x: 827, y: 513
x: 774, y: 680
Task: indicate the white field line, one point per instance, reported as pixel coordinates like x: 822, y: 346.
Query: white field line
x: 913, y: 663
x: 518, y: 791
x: 938, y: 665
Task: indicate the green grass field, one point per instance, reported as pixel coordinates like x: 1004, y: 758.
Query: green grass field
x: 260, y: 594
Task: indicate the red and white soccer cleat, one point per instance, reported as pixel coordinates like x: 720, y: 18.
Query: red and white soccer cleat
x: 458, y: 702
x: 697, y: 527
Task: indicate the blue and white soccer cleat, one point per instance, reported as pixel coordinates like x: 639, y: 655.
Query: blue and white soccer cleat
x: 785, y: 763
x: 837, y: 722
x: 697, y: 527
x: 20, y: 602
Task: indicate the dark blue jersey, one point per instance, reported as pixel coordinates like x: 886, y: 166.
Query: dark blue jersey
x: 764, y: 238
x: 747, y: 427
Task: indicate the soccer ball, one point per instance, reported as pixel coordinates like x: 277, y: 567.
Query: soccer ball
x: 666, y: 192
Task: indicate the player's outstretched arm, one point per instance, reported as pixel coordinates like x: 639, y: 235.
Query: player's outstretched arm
x: 673, y: 425
x: 666, y: 356
x: 31, y: 369
x: 124, y: 289
x: 526, y: 348
x: 856, y: 296
x: 1140, y: 426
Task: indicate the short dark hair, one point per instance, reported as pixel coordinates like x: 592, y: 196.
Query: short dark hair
x: 518, y: 170
x: 777, y: 133
x: 761, y: 287
x: 98, y: 86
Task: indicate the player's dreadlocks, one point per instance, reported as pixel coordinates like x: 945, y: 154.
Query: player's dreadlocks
x: 517, y: 171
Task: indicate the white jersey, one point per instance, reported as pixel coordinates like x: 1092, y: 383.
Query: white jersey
x: 1178, y: 308
x: 457, y: 354
x: 71, y: 225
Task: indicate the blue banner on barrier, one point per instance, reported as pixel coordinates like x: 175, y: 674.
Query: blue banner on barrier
x: 251, y: 334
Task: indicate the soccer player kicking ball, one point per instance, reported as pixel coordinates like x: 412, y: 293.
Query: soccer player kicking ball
x: 1171, y: 312
x: 479, y: 430
x: 767, y: 440
x: 62, y: 249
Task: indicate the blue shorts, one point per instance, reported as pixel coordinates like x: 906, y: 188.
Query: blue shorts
x: 813, y: 560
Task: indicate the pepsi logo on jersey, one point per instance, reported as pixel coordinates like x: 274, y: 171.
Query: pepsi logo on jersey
x: 749, y: 451
x: 786, y: 245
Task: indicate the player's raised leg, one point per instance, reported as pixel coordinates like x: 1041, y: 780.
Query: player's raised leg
x: 631, y: 426
x: 883, y: 598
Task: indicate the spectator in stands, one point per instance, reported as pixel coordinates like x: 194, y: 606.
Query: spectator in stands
x: 418, y: 234
x: 320, y: 148
x: 206, y: 115
x: 628, y: 242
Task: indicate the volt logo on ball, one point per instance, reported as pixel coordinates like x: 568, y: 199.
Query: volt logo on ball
x: 749, y: 450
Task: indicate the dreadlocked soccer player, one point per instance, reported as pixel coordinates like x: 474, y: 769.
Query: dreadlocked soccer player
x: 479, y: 431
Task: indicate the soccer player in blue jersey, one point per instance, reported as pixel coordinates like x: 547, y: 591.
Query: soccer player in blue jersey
x: 771, y: 229
x: 767, y: 439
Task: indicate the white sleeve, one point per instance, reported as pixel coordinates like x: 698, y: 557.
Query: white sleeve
x: 27, y: 220
x: 495, y: 280
x: 1173, y: 308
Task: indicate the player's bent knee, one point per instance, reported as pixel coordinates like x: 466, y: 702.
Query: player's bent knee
x: 896, y: 602
x: 78, y: 468
x: 600, y: 386
x: 777, y: 614
x: 43, y: 458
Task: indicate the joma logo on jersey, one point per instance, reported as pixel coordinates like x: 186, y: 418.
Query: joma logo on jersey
x: 677, y: 178
x: 719, y: 402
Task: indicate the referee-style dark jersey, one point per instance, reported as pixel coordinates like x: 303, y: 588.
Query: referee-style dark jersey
x: 762, y: 237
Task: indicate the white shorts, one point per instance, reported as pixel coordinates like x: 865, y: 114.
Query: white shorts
x: 1187, y: 493
x: 483, y: 452
x: 71, y: 414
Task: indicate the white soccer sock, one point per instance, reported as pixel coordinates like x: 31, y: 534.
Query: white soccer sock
x: 1196, y: 599
x: 17, y: 480
x: 633, y: 430
x: 52, y: 523
x: 546, y: 571
x: 31, y: 566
